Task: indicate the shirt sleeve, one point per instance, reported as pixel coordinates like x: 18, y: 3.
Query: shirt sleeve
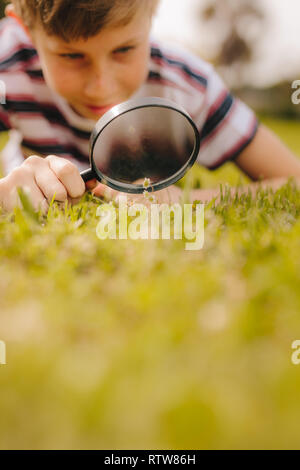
x: 226, y: 124
x: 5, y: 124
x: 11, y: 155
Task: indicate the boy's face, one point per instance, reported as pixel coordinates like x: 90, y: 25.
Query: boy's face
x: 101, y: 71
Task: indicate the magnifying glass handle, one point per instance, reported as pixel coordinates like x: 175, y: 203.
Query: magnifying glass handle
x: 87, y: 175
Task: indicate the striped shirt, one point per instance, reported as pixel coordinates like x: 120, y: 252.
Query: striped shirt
x: 41, y: 122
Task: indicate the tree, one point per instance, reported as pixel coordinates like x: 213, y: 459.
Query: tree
x: 2, y: 6
x: 238, y: 26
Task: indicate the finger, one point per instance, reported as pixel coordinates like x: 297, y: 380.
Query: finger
x: 46, y: 179
x: 102, y: 190
x: 99, y: 190
x: 19, y: 178
x: 68, y: 174
x: 74, y: 201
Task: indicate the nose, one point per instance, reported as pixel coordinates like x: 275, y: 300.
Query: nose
x: 98, y: 84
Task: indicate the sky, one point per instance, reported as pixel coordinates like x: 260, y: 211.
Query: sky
x: 279, y: 55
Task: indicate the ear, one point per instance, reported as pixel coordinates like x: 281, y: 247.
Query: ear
x: 10, y: 11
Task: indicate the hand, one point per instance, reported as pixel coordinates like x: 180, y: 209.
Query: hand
x: 41, y: 178
x: 170, y: 195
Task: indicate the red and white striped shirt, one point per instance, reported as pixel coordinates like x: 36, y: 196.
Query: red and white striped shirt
x: 41, y: 120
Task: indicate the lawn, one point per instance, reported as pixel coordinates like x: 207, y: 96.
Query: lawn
x: 142, y: 344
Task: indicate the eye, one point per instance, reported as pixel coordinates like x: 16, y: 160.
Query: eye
x: 72, y: 56
x: 123, y: 50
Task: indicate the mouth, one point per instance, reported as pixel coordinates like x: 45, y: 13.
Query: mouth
x: 100, y: 109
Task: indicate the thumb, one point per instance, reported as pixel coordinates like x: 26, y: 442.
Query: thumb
x: 101, y: 190
x: 91, y: 184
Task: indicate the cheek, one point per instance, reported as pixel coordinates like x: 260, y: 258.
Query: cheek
x: 60, y: 79
x: 137, y: 73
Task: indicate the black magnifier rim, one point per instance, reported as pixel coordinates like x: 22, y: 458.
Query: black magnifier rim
x: 129, y: 106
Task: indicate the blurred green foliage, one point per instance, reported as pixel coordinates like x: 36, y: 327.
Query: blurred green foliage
x: 2, y: 6
x: 124, y: 345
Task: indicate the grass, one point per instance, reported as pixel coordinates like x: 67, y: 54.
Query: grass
x: 141, y: 344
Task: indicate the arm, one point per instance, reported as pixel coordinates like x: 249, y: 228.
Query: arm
x: 265, y: 157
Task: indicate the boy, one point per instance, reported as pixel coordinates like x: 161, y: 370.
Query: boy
x: 65, y: 63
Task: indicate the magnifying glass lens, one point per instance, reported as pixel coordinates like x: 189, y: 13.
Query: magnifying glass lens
x: 150, y: 142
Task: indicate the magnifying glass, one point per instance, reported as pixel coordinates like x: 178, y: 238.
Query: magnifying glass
x: 151, y: 138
